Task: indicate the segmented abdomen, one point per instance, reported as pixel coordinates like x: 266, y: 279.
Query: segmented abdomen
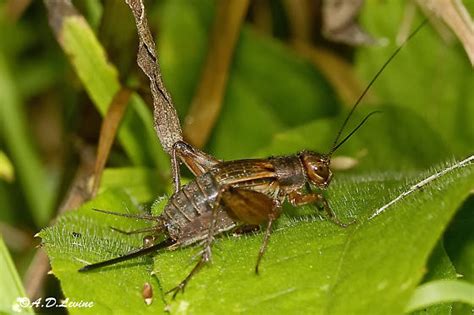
x: 193, y: 200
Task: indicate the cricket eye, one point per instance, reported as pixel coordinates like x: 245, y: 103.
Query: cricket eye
x: 317, y: 170
x: 321, y: 171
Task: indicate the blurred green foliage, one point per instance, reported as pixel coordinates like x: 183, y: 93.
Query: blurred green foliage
x: 10, y: 286
x: 276, y: 103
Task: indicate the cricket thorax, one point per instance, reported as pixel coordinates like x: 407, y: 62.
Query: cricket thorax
x: 289, y: 173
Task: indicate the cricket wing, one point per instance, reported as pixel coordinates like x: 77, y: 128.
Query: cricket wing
x: 248, y: 206
x: 244, y: 173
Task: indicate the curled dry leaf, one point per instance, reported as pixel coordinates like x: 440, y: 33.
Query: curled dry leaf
x: 167, y: 124
x: 340, y: 22
x: 108, y: 131
x: 456, y: 16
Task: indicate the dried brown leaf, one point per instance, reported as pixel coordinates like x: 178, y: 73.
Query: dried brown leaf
x: 108, y: 132
x: 340, y: 22
x: 261, y: 16
x: 300, y: 19
x: 457, y: 17
x: 15, y: 238
x: 167, y: 124
x: 207, y: 101
x: 15, y: 8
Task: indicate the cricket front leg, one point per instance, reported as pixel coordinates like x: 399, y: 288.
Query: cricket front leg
x: 195, y: 160
x: 205, y: 258
x: 297, y: 198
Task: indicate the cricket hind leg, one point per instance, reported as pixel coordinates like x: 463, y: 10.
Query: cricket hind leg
x: 266, y: 238
x: 197, y: 161
x: 182, y: 285
x: 203, y: 260
x: 263, y: 247
x: 206, y: 254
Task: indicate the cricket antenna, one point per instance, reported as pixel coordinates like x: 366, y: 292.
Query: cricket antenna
x: 129, y: 215
x: 354, y: 131
x: 335, y: 143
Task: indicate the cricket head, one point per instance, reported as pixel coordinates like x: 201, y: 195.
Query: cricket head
x: 316, y: 167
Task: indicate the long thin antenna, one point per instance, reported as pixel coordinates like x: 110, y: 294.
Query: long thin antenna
x: 129, y: 215
x: 353, y: 131
x: 335, y: 145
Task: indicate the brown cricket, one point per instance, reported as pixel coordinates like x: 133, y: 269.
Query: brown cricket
x: 226, y: 195
x: 229, y: 195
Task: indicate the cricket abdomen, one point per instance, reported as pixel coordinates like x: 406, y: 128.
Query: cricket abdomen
x: 188, y: 212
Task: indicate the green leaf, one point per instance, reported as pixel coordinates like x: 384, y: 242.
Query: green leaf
x: 428, y: 76
x: 317, y: 268
x: 282, y: 80
x: 101, y: 81
x: 459, y: 240
x: 232, y: 116
x: 11, y: 288
x: 459, y: 243
x: 293, y: 93
x: 438, y: 267
x: 138, y: 182
x: 182, y: 47
x: 311, y: 265
x: 85, y: 236
x: 15, y: 133
x: 441, y: 291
